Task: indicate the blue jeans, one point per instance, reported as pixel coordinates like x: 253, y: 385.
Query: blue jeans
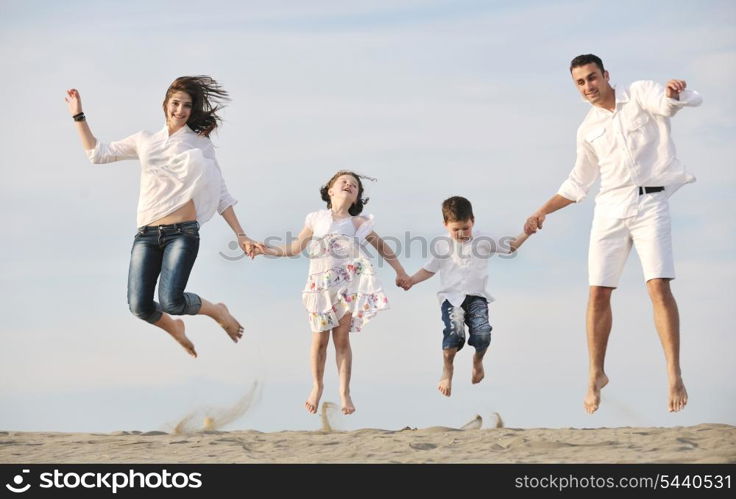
x: 473, y: 312
x: 168, y: 251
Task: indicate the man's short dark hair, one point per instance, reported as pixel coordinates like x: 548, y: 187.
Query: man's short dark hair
x: 584, y: 59
x: 457, y: 209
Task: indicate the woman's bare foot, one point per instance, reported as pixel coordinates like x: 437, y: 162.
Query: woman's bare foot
x: 231, y: 326
x: 347, y: 404
x: 312, y: 402
x: 593, y: 397
x: 176, y: 330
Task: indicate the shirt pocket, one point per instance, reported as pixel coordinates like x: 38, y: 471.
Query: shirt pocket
x: 599, y: 141
x: 639, y: 128
x: 637, y: 123
x: 595, y: 135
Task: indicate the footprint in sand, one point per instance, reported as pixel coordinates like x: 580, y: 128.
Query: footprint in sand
x: 423, y: 446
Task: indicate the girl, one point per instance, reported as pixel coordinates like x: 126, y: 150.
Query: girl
x: 181, y: 186
x: 342, y: 292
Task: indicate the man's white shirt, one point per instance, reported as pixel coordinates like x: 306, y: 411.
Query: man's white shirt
x: 628, y: 147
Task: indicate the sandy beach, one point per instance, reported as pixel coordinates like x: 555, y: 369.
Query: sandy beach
x: 704, y: 443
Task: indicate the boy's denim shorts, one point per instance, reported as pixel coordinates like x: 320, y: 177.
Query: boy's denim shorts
x: 474, y: 313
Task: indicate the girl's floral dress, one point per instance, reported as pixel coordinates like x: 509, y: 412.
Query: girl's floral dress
x: 341, y: 278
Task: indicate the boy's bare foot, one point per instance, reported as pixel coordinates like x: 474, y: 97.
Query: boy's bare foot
x: 677, y: 396
x: 445, y: 385
x: 347, y: 404
x: 231, y: 326
x: 312, y: 402
x: 478, y: 371
x: 177, y: 332
x: 593, y: 397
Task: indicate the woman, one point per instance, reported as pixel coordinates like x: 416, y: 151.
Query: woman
x: 181, y: 187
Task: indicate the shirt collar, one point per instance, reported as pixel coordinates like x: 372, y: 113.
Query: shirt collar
x: 182, y: 130
x: 463, y: 243
x: 622, y: 96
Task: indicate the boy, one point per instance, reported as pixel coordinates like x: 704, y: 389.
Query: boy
x: 462, y: 262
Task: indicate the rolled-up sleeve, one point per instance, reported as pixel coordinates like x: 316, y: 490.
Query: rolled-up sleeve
x: 652, y: 97
x: 226, y: 200
x: 583, y: 175
x: 119, y: 150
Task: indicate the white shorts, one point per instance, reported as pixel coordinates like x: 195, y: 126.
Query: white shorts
x: 650, y: 233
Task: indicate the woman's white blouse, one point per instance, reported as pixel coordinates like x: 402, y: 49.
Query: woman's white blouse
x: 174, y: 169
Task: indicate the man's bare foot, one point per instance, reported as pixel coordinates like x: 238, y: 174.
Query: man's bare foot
x: 445, y: 385
x: 177, y: 332
x: 677, y: 396
x: 478, y: 372
x: 231, y: 326
x: 312, y: 402
x: 593, y: 397
x: 347, y: 404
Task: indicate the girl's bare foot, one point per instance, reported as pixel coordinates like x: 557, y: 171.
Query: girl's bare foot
x: 347, y: 404
x: 231, y: 326
x: 176, y: 331
x: 312, y: 402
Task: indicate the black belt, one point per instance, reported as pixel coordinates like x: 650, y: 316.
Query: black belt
x: 170, y: 227
x: 647, y: 190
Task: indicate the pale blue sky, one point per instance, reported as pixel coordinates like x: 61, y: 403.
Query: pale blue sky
x: 434, y: 98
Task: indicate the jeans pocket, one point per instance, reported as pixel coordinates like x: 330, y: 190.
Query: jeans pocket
x: 190, y: 232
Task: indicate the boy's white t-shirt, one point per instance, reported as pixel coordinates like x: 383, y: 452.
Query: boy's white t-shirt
x: 463, y: 266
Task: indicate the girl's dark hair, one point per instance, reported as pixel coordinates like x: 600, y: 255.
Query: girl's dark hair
x: 208, y: 97
x: 357, y: 206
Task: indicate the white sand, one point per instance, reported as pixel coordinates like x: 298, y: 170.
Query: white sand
x: 705, y: 443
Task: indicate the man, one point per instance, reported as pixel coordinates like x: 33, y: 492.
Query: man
x: 625, y: 140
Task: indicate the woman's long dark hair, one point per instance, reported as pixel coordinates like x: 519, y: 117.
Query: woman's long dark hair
x: 208, y: 97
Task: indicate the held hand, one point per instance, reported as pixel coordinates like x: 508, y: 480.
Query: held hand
x: 534, y: 223
x: 251, y: 247
x: 257, y: 251
x: 400, y: 278
x: 73, y: 101
x: 674, y: 87
x: 404, y: 282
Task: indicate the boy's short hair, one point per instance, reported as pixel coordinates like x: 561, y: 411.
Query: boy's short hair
x: 457, y: 209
